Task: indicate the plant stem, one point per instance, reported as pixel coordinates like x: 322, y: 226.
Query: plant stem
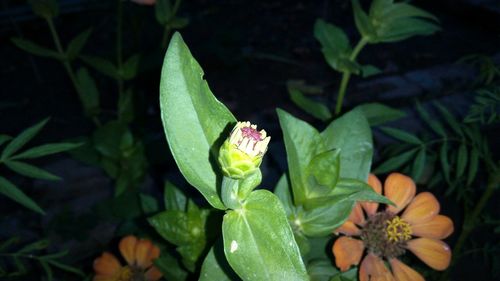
x: 346, y: 75
x: 470, y: 220
x: 119, y: 47
x: 166, y: 35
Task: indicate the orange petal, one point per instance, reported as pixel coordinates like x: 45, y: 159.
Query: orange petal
x: 153, y: 274
x: 127, y: 248
x: 402, y: 272
x: 142, y: 253
x: 374, y: 182
x: 357, y: 215
x: 400, y: 189
x: 373, y: 268
x: 347, y: 252
x: 106, y: 265
x: 434, y: 253
x: 154, y: 253
x: 423, y: 208
x: 348, y: 228
x: 438, y: 227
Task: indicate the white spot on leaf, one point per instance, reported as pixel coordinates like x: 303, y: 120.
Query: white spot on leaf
x: 234, y: 246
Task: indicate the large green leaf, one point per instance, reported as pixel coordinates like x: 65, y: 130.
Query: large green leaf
x: 193, y: 119
x: 13, y: 192
x: 215, y: 266
x: 351, y: 134
x: 259, y: 243
x: 302, y: 142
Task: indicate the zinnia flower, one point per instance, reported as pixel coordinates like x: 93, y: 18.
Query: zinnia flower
x: 386, y: 235
x: 139, y: 255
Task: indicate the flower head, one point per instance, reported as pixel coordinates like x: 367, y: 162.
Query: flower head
x: 387, y: 234
x: 241, y: 154
x: 139, y: 255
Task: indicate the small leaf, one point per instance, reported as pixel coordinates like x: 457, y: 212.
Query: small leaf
x: 401, y: 135
x: 24, y: 137
x: 13, y: 192
x: 126, y: 107
x: 363, y: 24
x: 46, y: 149
x: 102, y: 65
x: 130, y: 67
x: 445, y: 164
x: 377, y: 113
x: 174, y: 198
x: 35, y: 246
x: 473, y: 166
x: 432, y: 122
x: 452, y: 121
x: 369, y: 70
x: 30, y: 170
x: 36, y: 49
x: 395, y: 162
x: 47, y: 269
x: 314, y: 108
x: 163, y: 11
x: 76, y: 45
x: 461, y: 159
x: 149, y: 204
x: 88, y: 92
x: 170, y: 267
x: 172, y: 226
x: 66, y: 267
x: 419, y: 164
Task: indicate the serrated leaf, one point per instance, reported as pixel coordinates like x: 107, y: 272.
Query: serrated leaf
x: 258, y: 240
x: 45, y: 149
x: 395, y: 162
x: 13, y: 192
x: 76, y: 45
x: 29, y: 170
x: 401, y: 135
x: 473, y: 166
x: 36, y: 49
x: 187, y: 102
x: 19, y: 141
x: 102, y: 65
x: 461, y: 159
x: 377, y: 113
x: 314, y: 108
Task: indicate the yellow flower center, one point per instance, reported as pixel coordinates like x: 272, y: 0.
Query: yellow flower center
x: 398, y: 230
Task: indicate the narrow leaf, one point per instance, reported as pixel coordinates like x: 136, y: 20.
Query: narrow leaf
x: 13, y: 192
x: 36, y: 49
x: 432, y: 122
x: 76, y: 45
x: 445, y: 164
x: 4, y: 138
x: 419, y: 164
x: 473, y: 166
x: 461, y: 159
x: 395, y: 162
x: 450, y: 119
x: 377, y: 113
x: 46, y: 149
x: 401, y: 135
x: 30, y: 170
x: 88, y: 92
x: 173, y: 198
x: 316, y: 109
x: 102, y: 65
x: 24, y: 137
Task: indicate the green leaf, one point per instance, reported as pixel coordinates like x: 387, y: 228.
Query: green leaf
x: 104, y: 66
x: 46, y: 149
x: 173, y: 226
x: 419, y: 164
x: 66, y: 267
x: 432, y: 122
x: 282, y: 191
x: 215, y: 266
x: 195, y: 122
x: 445, y: 164
x: 314, y: 108
x: 321, y: 270
x: 163, y: 11
x: 258, y: 240
x: 149, y: 204
x: 174, y: 198
x: 178, y: 22
x: 13, y: 192
x: 130, y: 67
x: 36, y: 49
x: 377, y: 113
x: 461, y: 159
x: 24, y: 137
x: 35, y: 246
x: 47, y: 269
x: 30, y: 170
x: 302, y: 143
x: 107, y: 139
x: 363, y: 24
x: 45, y: 8
x: 401, y: 135
x: 369, y: 70
x: 351, y: 134
x: 170, y: 267
x: 88, y: 92
x: 395, y: 162
x: 76, y: 45
x: 4, y: 138
x: 450, y: 119
x: 323, y: 173
x: 473, y: 166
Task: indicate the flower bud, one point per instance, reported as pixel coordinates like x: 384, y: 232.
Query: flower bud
x: 241, y: 154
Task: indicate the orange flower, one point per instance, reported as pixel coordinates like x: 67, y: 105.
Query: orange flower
x: 386, y: 235
x: 139, y: 255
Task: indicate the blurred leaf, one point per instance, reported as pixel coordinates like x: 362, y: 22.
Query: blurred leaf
x: 419, y: 164
x: 130, y: 67
x: 45, y: 8
x: 187, y: 102
x: 126, y: 107
x: 432, y: 122
x: 363, y: 24
x: 102, y: 65
x: 251, y: 248
x: 401, y: 135
x: 473, y: 166
x: 108, y: 137
x: 46, y: 149
x: 377, y: 113
x: 76, y: 45
x: 321, y: 270
x: 30, y: 170
x: 445, y: 164
x: 174, y: 199
x: 13, y: 192
x: 88, y: 92
x: 461, y: 160
x: 170, y: 268
x: 35, y: 246
x: 149, y: 204
x: 450, y: 119
x: 36, y: 49
x: 350, y: 275
x: 163, y: 11
x: 369, y: 70
x: 395, y: 162
x: 314, y: 108
x: 19, y: 141
x: 351, y: 134
x: 47, y: 269
x: 66, y: 267
x: 178, y: 22
x: 4, y: 138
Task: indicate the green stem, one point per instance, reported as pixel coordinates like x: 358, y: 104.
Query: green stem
x: 470, y: 220
x: 346, y: 75
x: 166, y: 35
x: 119, y: 47
x: 229, y: 193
